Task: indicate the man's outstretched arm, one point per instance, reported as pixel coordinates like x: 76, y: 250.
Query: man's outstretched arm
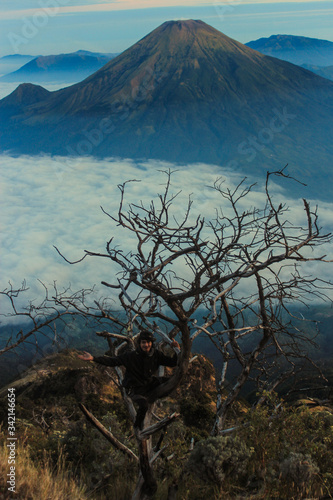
x: 102, y: 360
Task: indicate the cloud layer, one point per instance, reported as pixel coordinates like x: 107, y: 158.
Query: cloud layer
x: 50, y: 201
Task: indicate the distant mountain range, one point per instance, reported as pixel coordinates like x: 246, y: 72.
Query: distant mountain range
x: 184, y: 93
x: 59, y: 68
x: 296, y: 49
x: 310, y: 53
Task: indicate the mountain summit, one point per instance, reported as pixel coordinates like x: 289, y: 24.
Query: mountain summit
x: 186, y: 93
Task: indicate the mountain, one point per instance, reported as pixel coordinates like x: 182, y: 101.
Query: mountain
x: 13, y: 62
x: 324, y: 71
x: 185, y: 93
x: 72, y: 460
x: 58, y: 68
x: 16, y: 58
x: 47, y: 410
x: 298, y: 50
x: 310, y: 53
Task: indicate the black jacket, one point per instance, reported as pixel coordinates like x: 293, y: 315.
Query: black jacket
x: 140, y: 366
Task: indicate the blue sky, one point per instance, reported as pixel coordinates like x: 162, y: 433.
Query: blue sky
x: 59, y: 26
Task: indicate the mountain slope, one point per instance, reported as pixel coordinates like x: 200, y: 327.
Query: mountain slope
x: 186, y: 93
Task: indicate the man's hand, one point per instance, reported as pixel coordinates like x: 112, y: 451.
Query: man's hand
x: 174, y: 343
x: 86, y: 356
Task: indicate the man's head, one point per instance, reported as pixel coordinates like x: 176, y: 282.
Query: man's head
x: 146, y: 341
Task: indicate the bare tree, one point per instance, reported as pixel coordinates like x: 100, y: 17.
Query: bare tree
x: 231, y: 277
x: 182, y: 269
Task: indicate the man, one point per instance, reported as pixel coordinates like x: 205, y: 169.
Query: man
x: 141, y: 366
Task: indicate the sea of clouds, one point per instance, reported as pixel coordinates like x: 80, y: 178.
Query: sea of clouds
x: 54, y: 201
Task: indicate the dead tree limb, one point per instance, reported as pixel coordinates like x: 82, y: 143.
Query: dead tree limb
x: 148, y: 431
x: 107, y: 434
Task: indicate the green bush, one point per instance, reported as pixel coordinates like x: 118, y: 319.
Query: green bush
x: 293, y: 451
x: 298, y: 470
x: 217, y: 457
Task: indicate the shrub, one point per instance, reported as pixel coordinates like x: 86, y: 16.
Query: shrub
x: 217, y: 457
x: 293, y: 451
x: 298, y: 469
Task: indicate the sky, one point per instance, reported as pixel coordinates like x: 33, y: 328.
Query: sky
x: 44, y: 27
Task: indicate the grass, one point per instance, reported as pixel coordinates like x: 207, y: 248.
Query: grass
x: 42, y: 482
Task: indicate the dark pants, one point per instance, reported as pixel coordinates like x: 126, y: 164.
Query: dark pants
x: 143, y: 396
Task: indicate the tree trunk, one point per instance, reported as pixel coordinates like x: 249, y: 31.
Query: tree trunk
x: 146, y: 486
x: 173, y: 491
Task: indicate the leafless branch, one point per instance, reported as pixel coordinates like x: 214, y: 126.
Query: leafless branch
x: 107, y: 434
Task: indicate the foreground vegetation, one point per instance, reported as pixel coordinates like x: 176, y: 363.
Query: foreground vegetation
x: 277, y: 451
x: 38, y: 480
